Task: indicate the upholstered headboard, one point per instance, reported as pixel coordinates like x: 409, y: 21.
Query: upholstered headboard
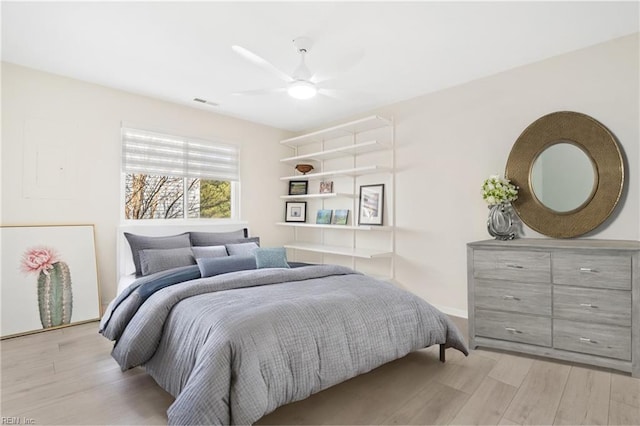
x: 125, y: 261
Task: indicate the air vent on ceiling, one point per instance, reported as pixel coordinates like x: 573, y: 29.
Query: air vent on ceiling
x: 204, y: 101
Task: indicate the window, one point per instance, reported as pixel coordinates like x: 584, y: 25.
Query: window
x: 160, y: 169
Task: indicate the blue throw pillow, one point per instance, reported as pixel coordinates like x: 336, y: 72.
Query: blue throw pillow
x: 221, y: 265
x: 271, y: 257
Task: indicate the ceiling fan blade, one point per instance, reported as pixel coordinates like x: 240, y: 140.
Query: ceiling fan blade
x: 259, y: 92
x: 258, y: 60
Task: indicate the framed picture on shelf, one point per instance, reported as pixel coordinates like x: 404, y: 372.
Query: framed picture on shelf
x: 326, y: 187
x: 296, y: 211
x: 340, y: 217
x: 298, y: 187
x: 371, y: 204
x: 49, y: 278
x: 324, y: 217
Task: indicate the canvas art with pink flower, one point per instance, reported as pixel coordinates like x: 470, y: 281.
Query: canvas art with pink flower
x: 55, y: 299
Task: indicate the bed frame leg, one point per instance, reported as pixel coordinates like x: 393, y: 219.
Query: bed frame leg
x: 442, y: 358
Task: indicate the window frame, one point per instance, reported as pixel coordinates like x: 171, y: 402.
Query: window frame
x: 235, y: 185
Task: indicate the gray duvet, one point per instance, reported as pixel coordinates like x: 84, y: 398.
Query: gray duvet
x: 234, y: 347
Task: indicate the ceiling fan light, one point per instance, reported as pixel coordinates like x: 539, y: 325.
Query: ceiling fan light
x: 301, y: 89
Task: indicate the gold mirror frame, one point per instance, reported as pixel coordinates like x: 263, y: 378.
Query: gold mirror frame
x: 600, y: 146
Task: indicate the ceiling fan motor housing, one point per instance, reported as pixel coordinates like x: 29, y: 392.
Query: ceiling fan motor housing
x: 302, y: 73
x: 302, y: 44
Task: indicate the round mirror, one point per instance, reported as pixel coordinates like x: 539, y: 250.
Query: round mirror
x: 593, y: 161
x: 563, y: 177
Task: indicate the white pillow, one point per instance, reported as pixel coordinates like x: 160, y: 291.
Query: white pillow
x: 206, y: 252
x: 241, y: 249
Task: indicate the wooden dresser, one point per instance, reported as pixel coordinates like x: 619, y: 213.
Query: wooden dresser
x: 575, y: 300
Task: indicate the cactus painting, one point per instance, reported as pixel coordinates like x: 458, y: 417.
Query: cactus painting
x: 55, y: 298
x: 39, y: 263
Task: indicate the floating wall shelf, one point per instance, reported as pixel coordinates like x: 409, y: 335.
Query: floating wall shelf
x: 326, y: 195
x: 356, y: 171
x: 334, y: 150
x: 346, y: 129
x: 356, y: 149
x: 339, y: 250
x: 341, y: 227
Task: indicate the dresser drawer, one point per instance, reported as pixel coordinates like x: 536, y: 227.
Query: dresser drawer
x: 592, y: 305
x: 513, y: 297
x: 513, y: 327
x: 596, y: 339
x: 516, y: 265
x: 592, y: 270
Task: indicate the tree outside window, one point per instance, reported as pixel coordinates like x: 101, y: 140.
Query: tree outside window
x: 162, y: 197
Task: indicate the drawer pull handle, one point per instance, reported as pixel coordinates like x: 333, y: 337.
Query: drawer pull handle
x: 512, y: 330
x: 588, y: 270
x: 509, y: 297
x: 588, y: 305
x: 514, y: 266
x: 587, y: 340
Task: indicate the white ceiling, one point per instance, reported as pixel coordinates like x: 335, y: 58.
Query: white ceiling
x: 375, y: 53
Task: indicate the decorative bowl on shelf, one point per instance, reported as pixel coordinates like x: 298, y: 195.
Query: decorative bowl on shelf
x: 304, y: 168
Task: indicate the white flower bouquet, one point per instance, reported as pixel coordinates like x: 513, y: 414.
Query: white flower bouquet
x: 498, y: 190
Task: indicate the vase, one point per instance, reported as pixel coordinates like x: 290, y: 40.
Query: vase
x: 500, y: 223
x: 54, y: 296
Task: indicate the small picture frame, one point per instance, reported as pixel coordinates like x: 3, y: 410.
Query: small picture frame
x: 326, y: 187
x: 298, y: 187
x: 340, y: 217
x: 296, y: 211
x: 371, y: 206
x: 324, y: 217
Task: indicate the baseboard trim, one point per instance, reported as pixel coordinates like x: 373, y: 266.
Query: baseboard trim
x: 452, y: 311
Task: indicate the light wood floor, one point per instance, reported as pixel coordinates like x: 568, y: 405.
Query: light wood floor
x: 68, y: 377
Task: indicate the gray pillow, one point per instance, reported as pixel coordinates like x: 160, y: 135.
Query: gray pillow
x: 209, y: 251
x: 156, y: 260
x: 245, y: 240
x: 216, y: 238
x: 271, y: 257
x: 241, y: 249
x: 142, y: 242
x: 222, y: 265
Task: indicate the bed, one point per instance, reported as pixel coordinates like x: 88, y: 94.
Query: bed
x: 233, y: 338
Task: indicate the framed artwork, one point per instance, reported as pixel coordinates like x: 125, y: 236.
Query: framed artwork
x: 371, y: 204
x: 340, y: 217
x: 295, y: 211
x: 324, y: 217
x: 326, y: 187
x: 298, y: 187
x: 49, y: 278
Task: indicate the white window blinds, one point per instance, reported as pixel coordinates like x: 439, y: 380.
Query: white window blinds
x: 166, y: 155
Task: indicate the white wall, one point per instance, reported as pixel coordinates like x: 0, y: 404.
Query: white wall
x: 448, y: 143
x: 85, y: 121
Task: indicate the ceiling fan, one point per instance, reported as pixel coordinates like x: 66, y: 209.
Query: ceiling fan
x: 301, y: 84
